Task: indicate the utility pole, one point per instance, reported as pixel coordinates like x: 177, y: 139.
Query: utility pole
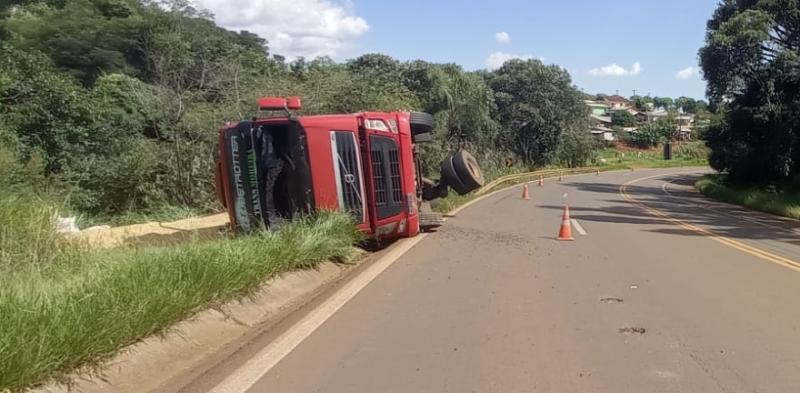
x: 634, y: 92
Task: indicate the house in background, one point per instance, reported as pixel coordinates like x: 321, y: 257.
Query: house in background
x: 600, y: 128
x: 685, y: 126
x: 601, y: 111
x: 617, y: 102
x: 597, y: 108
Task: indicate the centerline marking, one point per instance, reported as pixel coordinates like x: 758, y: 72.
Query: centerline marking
x: 774, y: 258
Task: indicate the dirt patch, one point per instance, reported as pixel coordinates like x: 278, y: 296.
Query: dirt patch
x: 158, y: 233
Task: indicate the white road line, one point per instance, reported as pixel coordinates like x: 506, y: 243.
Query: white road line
x: 259, y: 365
x: 578, y: 227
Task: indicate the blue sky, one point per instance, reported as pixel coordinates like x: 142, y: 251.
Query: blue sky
x: 662, y: 35
x: 606, y: 45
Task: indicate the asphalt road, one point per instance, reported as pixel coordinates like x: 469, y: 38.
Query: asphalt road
x: 667, y: 292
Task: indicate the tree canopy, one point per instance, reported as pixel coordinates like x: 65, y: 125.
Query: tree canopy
x: 751, y: 61
x: 536, y: 104
x: 121, y: 99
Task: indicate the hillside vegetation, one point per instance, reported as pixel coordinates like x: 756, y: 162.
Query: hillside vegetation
x: 120, y: 100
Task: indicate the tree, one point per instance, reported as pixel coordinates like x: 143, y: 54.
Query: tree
x: 686, y: 104
x: 536, y: 104
x: 642, y: 103
x: 650, y: 135
x: 576, y: 148
x: 623, y: 119
x: 377, y: 84
x: 751, y: 62
x: 82, y: 37
x: 662, y: 102
x: 46, y: 111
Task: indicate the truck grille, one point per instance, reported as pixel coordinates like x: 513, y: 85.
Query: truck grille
x: 386, y: 176
x: 378, y: 171
x: 349, y: 180
x: 394, y: 167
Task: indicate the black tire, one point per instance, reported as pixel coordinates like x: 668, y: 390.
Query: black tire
x: 468, y: 171
x: 421, y: 123
x: 450, y: 176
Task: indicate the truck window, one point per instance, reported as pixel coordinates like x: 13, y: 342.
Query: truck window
x: 347, y: 167
x: 386, y: 176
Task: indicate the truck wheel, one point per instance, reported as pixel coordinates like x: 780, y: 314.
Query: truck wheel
x: 468, y: 171
x: 450, y: 177
x: 421, y: 123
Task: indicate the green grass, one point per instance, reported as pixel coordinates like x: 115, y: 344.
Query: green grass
x: 785, y: 204
x: 683, y: 154
x: 65, y: 307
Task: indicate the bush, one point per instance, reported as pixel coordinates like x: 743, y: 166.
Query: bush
x: 623, y: 119
x: 650, y: 135
x: 692, y: 150
x: 577, y: 148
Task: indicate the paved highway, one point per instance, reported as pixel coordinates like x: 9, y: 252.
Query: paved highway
x: 666, y: 292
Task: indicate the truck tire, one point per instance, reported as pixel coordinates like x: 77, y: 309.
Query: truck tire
x: 468, y: 171
x: 450, y: 177
x: 421, y: 123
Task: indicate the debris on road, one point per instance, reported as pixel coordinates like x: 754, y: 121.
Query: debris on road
x: 630, y: 331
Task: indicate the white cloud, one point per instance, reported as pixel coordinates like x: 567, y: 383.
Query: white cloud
x: 497, y: 59
x: 636, y: 69
x: 502, y: 37
x: 617, y: 70
x: 293, y: 28
x: 686, y: 73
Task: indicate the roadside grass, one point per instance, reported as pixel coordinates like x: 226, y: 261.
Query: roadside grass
x: 683, y: 154
x: 780, y: 203
x: 65, y: 306
x: 687, y: 154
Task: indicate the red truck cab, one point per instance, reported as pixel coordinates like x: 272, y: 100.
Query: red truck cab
x: 283, y: 166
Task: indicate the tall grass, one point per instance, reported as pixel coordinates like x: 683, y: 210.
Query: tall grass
x: 683, y: 154
x: 63, y: 306
x: 780, y: 203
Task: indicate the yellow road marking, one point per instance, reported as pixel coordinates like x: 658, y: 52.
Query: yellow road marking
x: 777, y: 259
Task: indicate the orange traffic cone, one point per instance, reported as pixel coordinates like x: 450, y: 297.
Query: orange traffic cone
x: 525, y: 191
x: 541, y: 181
x: 565, y: 233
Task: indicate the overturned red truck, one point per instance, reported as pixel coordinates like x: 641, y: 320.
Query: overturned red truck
x: 282, y: 166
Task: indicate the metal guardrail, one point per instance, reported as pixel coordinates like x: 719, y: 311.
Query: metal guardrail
x: 517, y: 177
